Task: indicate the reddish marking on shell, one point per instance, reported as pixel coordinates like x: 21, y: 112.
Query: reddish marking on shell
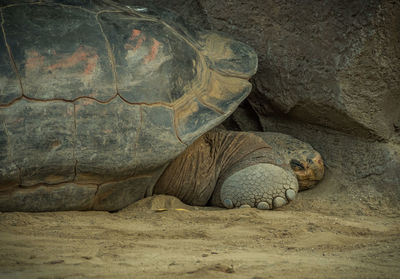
x: 81, y: 54
x: 34, y: 60
x: 153, y: 52
x: 134, y: 34
x: 138, y: 44
x: 91, y: 64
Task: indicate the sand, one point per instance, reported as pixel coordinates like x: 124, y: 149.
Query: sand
x: 160, y: 237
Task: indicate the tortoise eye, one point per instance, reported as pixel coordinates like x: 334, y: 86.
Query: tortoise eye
x: 296, y: 165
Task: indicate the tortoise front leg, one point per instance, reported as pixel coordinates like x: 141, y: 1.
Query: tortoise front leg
x: 265, y: 186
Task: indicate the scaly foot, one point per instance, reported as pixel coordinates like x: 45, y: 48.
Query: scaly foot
x: 264, y: 186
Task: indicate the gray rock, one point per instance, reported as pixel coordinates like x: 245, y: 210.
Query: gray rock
x: 335, y: 63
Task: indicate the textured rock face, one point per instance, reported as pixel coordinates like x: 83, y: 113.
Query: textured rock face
x: 330, y: 63
x: 329, y: 74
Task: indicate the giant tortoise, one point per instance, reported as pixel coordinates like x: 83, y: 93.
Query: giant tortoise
x: 103, y: 104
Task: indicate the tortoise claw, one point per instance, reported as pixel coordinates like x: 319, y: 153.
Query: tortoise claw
x: 264, y: 186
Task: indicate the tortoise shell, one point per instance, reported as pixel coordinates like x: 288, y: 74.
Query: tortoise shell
x: 96, y: 94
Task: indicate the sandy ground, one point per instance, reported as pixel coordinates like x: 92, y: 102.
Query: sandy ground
x: 309, y: 238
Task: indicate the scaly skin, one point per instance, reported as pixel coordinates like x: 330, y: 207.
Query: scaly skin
x: 264, y: 186
x: 239, y: 169
x: 305, y: 162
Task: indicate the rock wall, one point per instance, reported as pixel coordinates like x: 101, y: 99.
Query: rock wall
x: 329, y: 74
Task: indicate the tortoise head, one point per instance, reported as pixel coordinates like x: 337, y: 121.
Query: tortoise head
x: 308, y: 167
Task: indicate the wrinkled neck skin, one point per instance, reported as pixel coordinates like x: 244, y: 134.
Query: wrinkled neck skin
x: 197, y: 174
